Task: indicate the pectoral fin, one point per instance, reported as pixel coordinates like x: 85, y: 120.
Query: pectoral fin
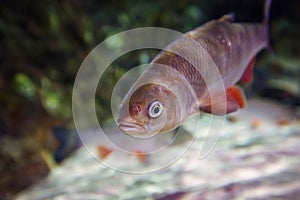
x: 235, y: 96
x: 235, y: 99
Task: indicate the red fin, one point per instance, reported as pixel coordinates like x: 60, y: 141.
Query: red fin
x: 234, y: 93
x: 248, y: 73
x: 103, y: 152
x: 234, y: 100
x: 140, y: 156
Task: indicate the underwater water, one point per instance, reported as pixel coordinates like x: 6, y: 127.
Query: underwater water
x: 256, y: 157
x: 251, y: 154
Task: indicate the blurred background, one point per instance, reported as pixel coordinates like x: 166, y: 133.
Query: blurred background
x: 43, y: 44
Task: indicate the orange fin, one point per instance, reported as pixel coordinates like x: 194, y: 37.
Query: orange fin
x: 235, y: 94
x: 248, y: 73
x: 235, y: 99
x: 103, y: 152
x: 141, y: 156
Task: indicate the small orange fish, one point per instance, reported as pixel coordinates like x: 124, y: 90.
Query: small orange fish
x: 283, y: 122
x: 255, y: 123
x: 141, y: 156
x: 110, y: 142
x: 103, y: 151
x: 151, y: 106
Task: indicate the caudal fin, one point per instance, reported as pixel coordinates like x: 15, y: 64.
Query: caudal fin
x: 266, y: 22
x: 267, y: 11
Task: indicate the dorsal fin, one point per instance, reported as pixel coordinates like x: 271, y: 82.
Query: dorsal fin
x: 227, y: 18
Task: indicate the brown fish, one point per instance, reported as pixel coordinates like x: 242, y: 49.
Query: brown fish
x: 173, y: 88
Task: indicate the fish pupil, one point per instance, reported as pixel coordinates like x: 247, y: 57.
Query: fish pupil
x: 156, y: 110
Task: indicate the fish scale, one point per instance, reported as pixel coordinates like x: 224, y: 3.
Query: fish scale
x: 231, y: 46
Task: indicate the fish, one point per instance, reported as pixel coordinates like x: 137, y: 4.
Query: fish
x: 171, y: 89
x: 103, y: 152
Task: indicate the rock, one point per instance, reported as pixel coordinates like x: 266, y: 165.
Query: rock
x: 21, y: 165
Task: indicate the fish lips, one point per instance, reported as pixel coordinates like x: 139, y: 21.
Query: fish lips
x: 131, y: 128
x: 136, y: 130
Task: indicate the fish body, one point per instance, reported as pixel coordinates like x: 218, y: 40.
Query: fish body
x: 172, y: 88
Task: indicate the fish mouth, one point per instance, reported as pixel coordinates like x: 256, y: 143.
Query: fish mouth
x: 131, y: 128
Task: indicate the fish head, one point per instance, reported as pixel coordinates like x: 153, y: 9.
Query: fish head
x: 150, y: 109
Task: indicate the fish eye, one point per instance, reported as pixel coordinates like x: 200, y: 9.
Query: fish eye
x: 155, y: 109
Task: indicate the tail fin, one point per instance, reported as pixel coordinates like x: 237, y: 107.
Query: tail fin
x: 266, y: 22
x: 267, y: 11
